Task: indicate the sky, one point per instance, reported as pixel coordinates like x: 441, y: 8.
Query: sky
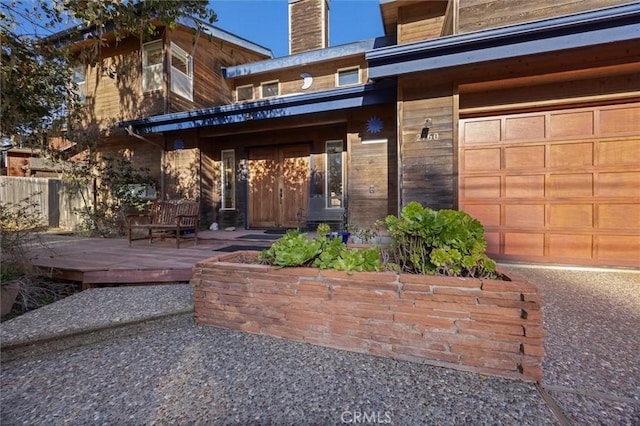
x: 265, y: 22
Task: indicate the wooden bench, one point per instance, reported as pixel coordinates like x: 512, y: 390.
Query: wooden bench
x: 166, y: 218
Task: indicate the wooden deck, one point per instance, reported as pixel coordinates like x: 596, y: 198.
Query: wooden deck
x: 101, y: 261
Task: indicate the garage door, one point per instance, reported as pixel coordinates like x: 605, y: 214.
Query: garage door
x: 558, y: 186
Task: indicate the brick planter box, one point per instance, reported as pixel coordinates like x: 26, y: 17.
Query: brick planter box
x: 485, y: 326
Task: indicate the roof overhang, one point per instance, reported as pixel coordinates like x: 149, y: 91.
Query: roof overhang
x: 598, y: 27
x: 287, y: 106
x: 307, y: 58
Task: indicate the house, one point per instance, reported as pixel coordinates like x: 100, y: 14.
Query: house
x: 523, y: 114
x: 176, y: 69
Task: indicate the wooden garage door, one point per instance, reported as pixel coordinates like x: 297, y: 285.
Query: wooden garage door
x: 556, y: 186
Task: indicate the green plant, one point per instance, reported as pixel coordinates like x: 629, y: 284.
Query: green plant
x: 365, y: 235
x: 323, y: 229
x: 116, y: 181
x: 20, y: 226
x: 295, y: 249
x: 447, y: 242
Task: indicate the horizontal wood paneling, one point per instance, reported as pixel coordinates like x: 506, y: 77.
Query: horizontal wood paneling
x: 323, y: 73
x: 210, y: 55
x: 308, y: 20
x: 421, y: 21
x: 477, y: 15
x: 427, y: 167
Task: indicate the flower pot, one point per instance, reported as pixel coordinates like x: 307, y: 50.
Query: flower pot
x: 344, y: 235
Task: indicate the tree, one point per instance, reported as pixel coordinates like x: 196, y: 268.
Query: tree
x: 35, y: 80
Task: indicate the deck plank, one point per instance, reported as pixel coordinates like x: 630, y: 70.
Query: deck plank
x: 95, y: 261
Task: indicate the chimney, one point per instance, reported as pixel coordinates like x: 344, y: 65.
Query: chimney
x: 308, y: 25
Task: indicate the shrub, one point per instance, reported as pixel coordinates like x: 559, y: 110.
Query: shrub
x: 20, y: 226
x: 445, y: 242
x: 295, y: 249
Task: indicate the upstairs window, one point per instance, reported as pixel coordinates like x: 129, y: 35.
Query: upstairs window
x: 270, y: 89
x: 348, y: 76
x: 244, y: 93
x: 80, y: 80
x: 181, y: 72
x: 152, y: 66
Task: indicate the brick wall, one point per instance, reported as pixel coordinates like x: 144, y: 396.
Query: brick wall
x: 484, y: 326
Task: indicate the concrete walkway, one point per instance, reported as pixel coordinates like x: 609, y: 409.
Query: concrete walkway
x: 131, y: 355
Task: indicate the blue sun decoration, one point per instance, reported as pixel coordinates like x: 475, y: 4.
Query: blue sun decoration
x: 375, y: 125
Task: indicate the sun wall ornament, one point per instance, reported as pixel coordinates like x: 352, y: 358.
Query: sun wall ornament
x: 374, y: 125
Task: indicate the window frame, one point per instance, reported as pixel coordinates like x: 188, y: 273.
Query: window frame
x: 182, y: 54
x: 327, y: 173
x: 81, y: 90
x: 265, y: 83
x: 344, y: 70
x: 244, y: 87
x: 146, y: 48
x: 223, y: 179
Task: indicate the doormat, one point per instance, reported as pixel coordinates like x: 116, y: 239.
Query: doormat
x: 229, y: 249
x: 279, y: 231
x: 259, y: 237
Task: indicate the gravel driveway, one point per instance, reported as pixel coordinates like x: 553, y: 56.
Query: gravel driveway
x: 170, y: 371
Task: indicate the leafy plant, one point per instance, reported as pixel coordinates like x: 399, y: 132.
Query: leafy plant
x: 323, y: 229
x: 295, y: 249
x: 447, y: 242
x: 115, y: 197
x: 365, y: 235
x: 20, y: 224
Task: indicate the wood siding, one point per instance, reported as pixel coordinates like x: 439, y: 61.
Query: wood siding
x: 114, y: 87
x: 209, y: 88
x: 427, y: 167
x: 557, y: 186
x: 421, y: 21
x: 308, y: 21
x: 372, y: 166
x: 475, y: 15
x: 324, y: 76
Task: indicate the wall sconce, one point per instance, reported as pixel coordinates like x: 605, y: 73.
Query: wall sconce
x: 425, y: 130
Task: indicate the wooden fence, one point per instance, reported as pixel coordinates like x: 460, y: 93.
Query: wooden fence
x: 56, y: 201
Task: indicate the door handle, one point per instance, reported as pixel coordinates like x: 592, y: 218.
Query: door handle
x: 281, y: 195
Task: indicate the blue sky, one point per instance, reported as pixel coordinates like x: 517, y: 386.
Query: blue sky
x: 265, y: 22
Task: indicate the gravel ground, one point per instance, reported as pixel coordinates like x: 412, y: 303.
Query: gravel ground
x: 189, y: 374
x: 170, y: 371
x: 591, y: 366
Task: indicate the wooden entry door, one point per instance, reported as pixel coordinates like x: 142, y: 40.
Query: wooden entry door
x: 278, y: 185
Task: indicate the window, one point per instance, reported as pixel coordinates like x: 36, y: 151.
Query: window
x: 228, y: 179
x: 152, y: 66
x: 269, y: 89
x: 334, y: 174
x: 348, y: 76
x: 181, y: 72
x: 80, y: 80
x: 244, y: 93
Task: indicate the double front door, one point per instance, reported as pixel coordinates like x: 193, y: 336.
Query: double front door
x: 278, y: 185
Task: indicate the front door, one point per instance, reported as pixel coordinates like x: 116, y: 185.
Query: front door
x: 278, y: 185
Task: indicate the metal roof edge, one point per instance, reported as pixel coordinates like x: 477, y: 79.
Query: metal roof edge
x: 306, y: 58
